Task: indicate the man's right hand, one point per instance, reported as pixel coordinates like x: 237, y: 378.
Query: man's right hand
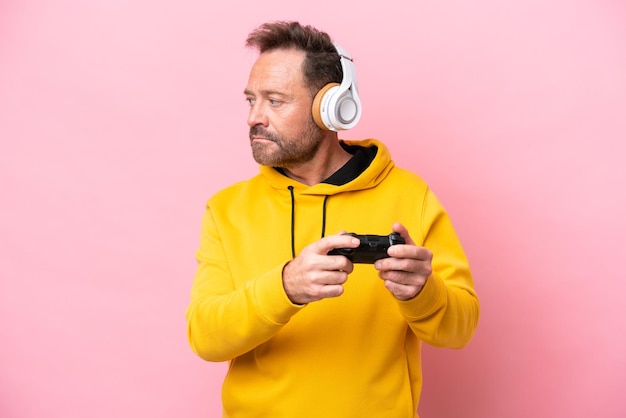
x: 314, y: 275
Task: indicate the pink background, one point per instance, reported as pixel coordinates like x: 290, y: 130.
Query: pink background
x: 119, y: 118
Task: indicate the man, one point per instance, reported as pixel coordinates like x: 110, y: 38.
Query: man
x: 309, y: 334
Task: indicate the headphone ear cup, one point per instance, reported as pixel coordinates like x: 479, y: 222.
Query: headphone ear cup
x: 320, y: 109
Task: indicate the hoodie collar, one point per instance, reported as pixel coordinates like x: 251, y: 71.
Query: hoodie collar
x: 368, y: 167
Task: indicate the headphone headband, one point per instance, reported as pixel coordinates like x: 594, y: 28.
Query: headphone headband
x: 337, y: 106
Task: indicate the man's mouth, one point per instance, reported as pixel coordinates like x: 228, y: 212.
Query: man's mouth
x: 259, y: 134
x: 257, y: 138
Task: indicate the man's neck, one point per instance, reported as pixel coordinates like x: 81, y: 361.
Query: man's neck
x: 328, y: 160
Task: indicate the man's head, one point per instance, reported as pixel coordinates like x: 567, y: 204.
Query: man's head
x: 295, y: 61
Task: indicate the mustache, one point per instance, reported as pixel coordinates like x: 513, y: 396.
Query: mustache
x: 258, y: 130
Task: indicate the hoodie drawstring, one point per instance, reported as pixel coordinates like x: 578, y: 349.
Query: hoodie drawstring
x: 324, y: 216
x: 293, y: 223
x: 293, y: 220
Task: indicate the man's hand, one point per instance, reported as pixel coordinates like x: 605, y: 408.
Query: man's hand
x: 407, y: 268
x: 314, y: 275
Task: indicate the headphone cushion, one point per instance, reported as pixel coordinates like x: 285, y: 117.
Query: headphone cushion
x: 321, y: 99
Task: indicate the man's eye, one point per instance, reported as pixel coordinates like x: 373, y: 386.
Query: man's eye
x: 250, y: 100
x: 274, y: 102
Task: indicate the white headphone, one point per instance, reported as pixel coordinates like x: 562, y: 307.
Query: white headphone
x: 337, y: 106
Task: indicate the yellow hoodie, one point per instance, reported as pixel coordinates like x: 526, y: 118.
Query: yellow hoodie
x: 357, y: 355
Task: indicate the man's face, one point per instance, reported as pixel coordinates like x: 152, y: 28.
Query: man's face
x: 282, y: 130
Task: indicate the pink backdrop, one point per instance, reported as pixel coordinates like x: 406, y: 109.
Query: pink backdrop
x: 118, y: 119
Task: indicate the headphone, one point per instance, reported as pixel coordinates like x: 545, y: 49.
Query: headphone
x: 337, y: 106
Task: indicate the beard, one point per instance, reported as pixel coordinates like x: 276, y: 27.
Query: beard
x: 291, y: 151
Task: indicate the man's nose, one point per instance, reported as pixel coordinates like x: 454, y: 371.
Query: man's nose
x: 256, y: 115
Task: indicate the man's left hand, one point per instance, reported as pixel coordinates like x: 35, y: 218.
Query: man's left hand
x: 407, y: 268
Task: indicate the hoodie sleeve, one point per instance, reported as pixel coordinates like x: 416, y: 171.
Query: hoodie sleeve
x: 225, y: 321
x: 445, y: 313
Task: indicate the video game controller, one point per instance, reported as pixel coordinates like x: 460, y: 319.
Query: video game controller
x: 371, y: 248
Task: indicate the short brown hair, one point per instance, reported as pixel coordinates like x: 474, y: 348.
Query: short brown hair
x: 321, y: 65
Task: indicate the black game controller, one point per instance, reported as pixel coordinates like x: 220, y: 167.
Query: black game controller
x: 371, y: 248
